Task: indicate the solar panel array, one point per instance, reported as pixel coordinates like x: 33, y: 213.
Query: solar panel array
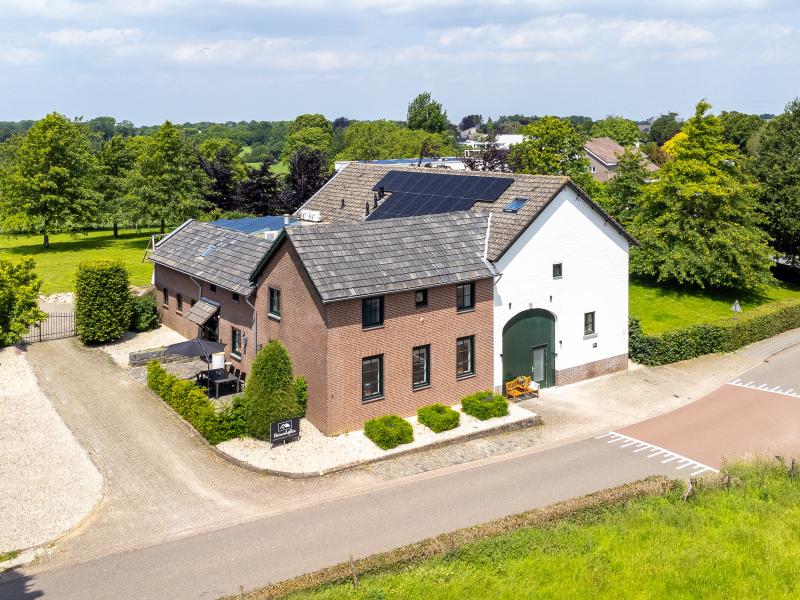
x: 414, y: 193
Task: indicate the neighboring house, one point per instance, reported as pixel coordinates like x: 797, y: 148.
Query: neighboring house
x: 385, y: 307
x: 603, y: 154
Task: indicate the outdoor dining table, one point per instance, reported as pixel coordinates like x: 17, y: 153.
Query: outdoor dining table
x: 218, y: 377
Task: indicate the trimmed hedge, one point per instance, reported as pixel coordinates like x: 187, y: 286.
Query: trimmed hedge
x: 389, y: 431
x: 102, y: 301
x: 707, y: 338
x: 301, y: 392
x: 191, y: 403
x: 438, y: 417
x: 144, y: 313
x: 485, y: 405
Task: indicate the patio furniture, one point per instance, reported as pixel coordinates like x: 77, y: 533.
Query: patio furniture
x: 220, y: 377
x: 521, y: 386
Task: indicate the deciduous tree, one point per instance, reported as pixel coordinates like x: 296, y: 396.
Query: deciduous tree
x: 623, y: 192
x: 777, y: 167
x: 19, y: 294
x: 114, y: 161
x: 738, y: 127
x: 664, y: 127
x: 426, y: 114
x: 698, y: 224
x: 49, y: 185
x: 623, y: 131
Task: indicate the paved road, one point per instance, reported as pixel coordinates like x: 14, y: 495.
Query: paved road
x: 154, y: 536
x: 271, y: 549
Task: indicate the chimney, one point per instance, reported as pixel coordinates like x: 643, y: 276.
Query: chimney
x: 285, y: 219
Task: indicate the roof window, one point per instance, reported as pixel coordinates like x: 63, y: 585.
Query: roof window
x: 515, y: 205
x: 208, y: 250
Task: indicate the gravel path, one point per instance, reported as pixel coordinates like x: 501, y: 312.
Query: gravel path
x: 315, y: 452
x: 47, y: 482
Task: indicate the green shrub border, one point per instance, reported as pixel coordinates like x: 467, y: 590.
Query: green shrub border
x: 191, y: 403
x: 389, y: 431
x: 708, y: 338
x: 438, y: 417
x: 484, y: 405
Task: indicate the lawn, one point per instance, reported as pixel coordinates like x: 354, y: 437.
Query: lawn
x: 660, y: 307
x: 57, y: 265
x: 737, y: 543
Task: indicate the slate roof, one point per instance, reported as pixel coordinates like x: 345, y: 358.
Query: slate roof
x: 202, y: 311
x: 359, y: 259
x: 355, y: 181
x: 214, y: 254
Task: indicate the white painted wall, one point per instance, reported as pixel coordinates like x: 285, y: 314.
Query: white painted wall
x: 595, y: 278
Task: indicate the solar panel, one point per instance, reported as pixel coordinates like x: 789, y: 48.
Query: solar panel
x: 404, y: 204
x: 485, y: 188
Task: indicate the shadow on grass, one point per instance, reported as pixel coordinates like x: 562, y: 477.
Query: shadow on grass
x: 678, y: 293
x: 16, y: 586
x: 33, y: 246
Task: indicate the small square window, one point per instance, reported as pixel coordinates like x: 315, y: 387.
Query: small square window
x: 372, y: 312
x: 465, y: 296
x: 235, y: 296
x: 421, y: 366
x: 179, y: 303
x: 465, y: 356
x: 165, y: 301
x: 212, y: 287
x: 557, y: 271
x: 371, y: 378
x: 236, y: 342
x: 588, y: 323
x: 274, y: 302
x: 515, y: 205
x: 421, y: 298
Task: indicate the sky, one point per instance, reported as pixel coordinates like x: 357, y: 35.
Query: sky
x: 230, y: 60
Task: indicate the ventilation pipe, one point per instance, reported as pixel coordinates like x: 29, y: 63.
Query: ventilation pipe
x: 342, y: 202
x: 285, y: 219
x: 367, y: 208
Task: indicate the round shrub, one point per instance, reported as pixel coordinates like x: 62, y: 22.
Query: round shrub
x: 438, y: 417
x: 102, y: 301
x: 144, y: 313
x: 269, y: 394
x: 389, y: 431
x: 485, y: 405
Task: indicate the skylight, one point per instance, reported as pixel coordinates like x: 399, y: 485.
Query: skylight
x: 515, y: 205
x: 208, y: 250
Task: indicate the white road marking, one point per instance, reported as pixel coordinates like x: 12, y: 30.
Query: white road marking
x: 668, y: 456
x: 765, y: 388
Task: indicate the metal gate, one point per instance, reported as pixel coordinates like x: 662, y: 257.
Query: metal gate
x: 54, y: 327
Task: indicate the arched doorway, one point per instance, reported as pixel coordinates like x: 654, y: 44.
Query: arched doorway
x: 529, y: 346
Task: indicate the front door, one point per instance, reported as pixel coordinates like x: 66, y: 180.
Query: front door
x: 539, y: 365
x: 210, y: 330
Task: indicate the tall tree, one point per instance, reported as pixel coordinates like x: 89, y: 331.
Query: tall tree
x: 223, y: 188
x: 314, y: 138
x: 551, y: 147
x: 308, y: 171
x: 19, y: 295
x: 698, y: 224
x: 623, y: 131
x: 49, y: 186
x: 777, y: 167
x: 491, y: 158
x: 623, y: 192
x: 260, y: 191
x: 426, y: 114
x: 664, y: 127
x: 114, y: 161
x: 738, y: 127
x: 375, y: 140
x: 168, y: 182
x: 470, y: 121
x: 310, y: 120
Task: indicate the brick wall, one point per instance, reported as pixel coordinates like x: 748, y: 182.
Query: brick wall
x: 405, y: 327
x: 592, y: 369
x: 301, y: 327
x: 231, y: 313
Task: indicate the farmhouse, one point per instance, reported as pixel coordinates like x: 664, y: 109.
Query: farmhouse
x: 400, y: 287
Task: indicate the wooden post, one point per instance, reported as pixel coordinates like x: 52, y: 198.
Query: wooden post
x: 793, y: 469
x: 353, y: 572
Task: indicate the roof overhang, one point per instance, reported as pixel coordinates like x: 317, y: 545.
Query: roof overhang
x: 202, y: 311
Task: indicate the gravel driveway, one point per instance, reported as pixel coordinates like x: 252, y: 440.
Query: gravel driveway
x: 47, y: 482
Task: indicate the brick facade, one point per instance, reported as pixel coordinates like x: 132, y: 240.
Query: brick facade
x: 592, y: 369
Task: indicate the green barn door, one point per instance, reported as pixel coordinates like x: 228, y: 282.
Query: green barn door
x: 529, y: 347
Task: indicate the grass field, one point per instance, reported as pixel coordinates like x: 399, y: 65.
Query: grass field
x: 659, y: 308
x: 737, y: 543
x: 57, y: 265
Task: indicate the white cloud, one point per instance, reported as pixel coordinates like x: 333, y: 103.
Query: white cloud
x: 93, y: 37
x: 13, y: 55
x: 642, y: 34
x: 278, y: 53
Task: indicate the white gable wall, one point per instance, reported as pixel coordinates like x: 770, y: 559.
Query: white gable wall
x: 594, y: 256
